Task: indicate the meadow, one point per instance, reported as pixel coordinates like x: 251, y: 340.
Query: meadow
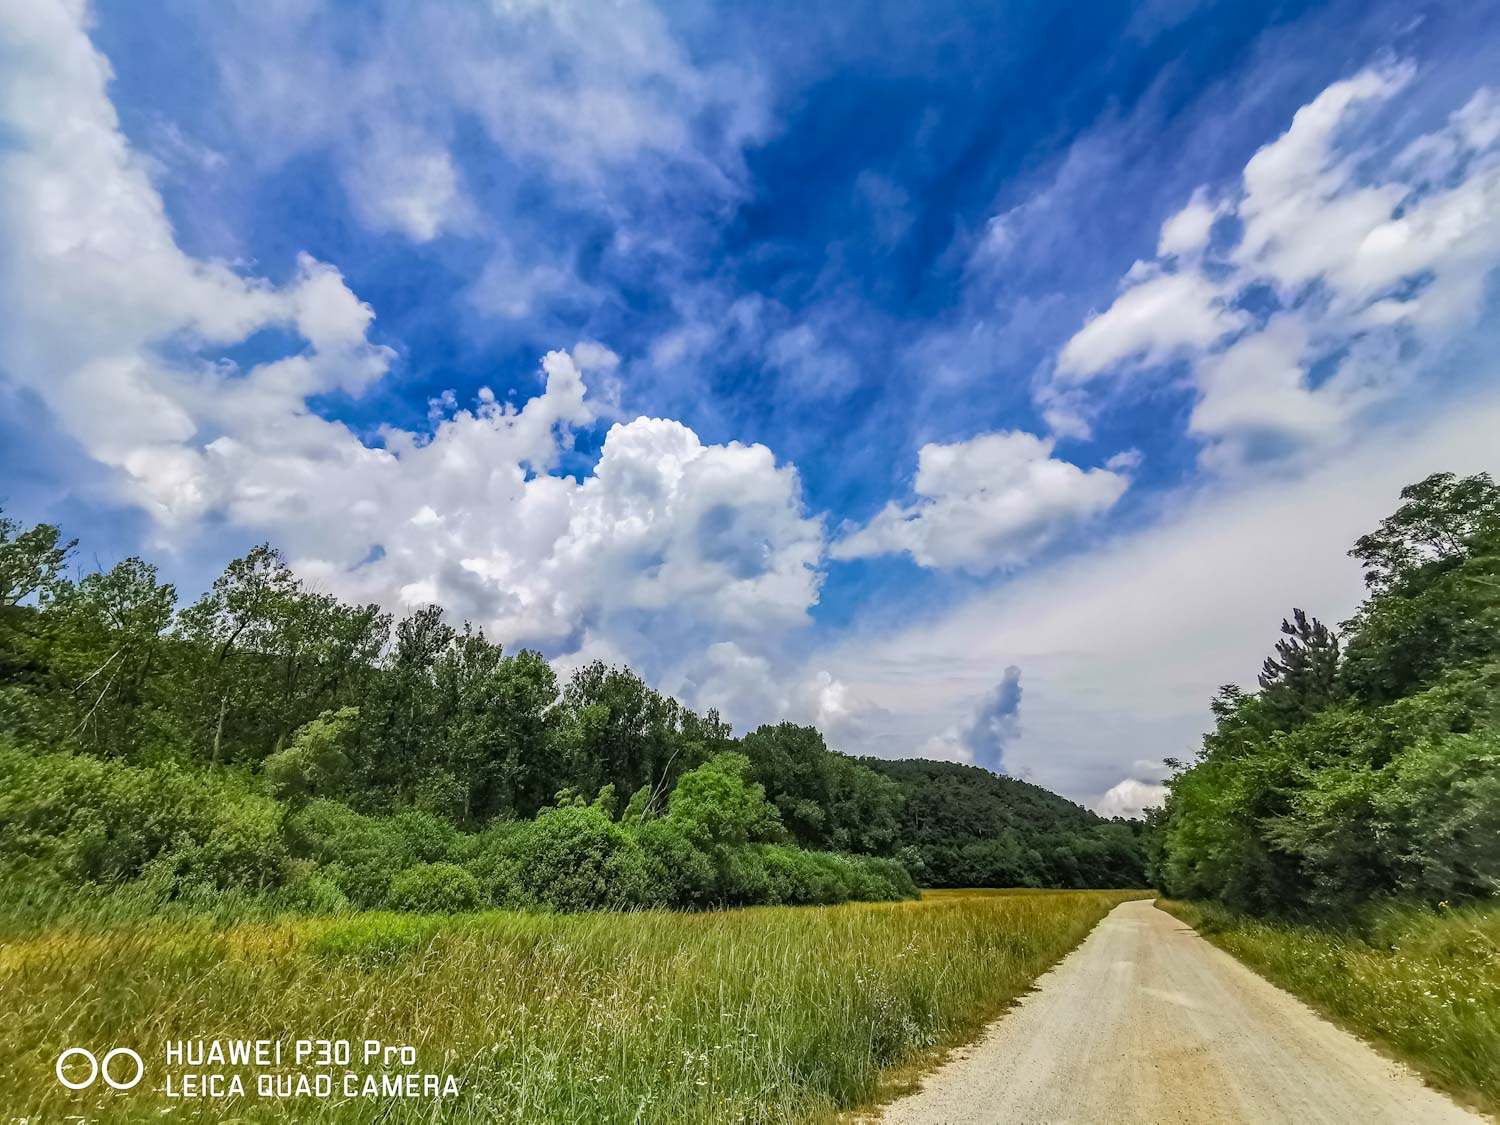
x: 765, y: 1014
x: 1421, y: 984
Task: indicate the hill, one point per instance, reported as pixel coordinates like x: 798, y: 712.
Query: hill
x: 970, y: 827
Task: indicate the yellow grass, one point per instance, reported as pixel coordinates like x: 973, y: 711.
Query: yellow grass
x: 769, y: 1014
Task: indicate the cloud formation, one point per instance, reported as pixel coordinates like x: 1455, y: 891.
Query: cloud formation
x: 986, y: 504
x: 994, y: 725
x: 1124, y: 645
x: 1296, y: 299
x: 668, y: 545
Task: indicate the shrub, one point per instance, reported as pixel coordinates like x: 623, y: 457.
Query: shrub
x: 425, y: 838
x: 743, y: 879
x: 315, y: 764
x: 309, y: 890
x: 493, y: 856
x: 243, y: 848
x: 362, y: 854
x: 676, y: 873
x: 97, y: 820
x: 434, y: 888
x: 573, y: 858
x: 717, y: 805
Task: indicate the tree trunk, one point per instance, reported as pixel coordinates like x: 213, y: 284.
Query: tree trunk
x: 219, y: 730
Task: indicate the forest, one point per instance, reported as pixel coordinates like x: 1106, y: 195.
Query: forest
x: 269, y: 741
x: 1366, y: 767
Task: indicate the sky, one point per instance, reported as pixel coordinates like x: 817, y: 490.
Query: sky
x: 976, y: 381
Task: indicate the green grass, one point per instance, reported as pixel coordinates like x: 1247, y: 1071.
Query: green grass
x: 767, y: 1014
x: 1423, y: 985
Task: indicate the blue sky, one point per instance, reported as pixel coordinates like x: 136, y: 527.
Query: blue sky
x: 926, y: 374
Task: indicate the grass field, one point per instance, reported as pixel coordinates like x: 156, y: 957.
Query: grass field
x: 1423, y: 985
x: 767, y: 1014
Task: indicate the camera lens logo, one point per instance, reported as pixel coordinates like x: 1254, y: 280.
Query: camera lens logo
x: 98, y: 1068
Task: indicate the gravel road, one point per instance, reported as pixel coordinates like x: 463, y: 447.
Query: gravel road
x: 1147, y: 1022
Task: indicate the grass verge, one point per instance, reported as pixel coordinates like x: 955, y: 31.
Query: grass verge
x: 1423, y: 985
x: 764, y: 1015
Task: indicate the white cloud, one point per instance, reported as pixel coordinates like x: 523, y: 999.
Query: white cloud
x: 599, y: 100
x: 668, y: 547
x: 987, y: 503
x: 402, y: 180
x: 1364, y: 258
x: 1187, y: 231
x: 1131, y: 798
x: 1152, y: 320
x: 1124, y: 646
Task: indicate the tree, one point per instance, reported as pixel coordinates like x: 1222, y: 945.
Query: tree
x: 1434, y: 526
x: 1303, y: 677
x: 31, y: 561
x: 106, y: 646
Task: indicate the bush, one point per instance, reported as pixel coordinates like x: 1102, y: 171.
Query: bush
x: 309, y: 890
x: 573, y: 858
x: 424, y: 837
x: 434, y: 888
x: 743, y: 879
x: 676, y: 873
x: 361, y: 854
x: 493, y: 857
x: 97, y: 820
x: 315, y: 764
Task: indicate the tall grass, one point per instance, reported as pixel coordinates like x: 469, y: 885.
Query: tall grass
x: 1422, y: 984
x: 767, y: 1014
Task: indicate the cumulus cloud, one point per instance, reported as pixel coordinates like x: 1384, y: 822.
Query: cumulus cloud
x: 1347, y: 262
x: 668, y: 545
x: 1187, y: 231
x: 1130, y: 798
x: 987, y: 503
x: 1157, y: 316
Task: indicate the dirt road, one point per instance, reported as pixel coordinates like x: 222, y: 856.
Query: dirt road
x: 1147, y: 1022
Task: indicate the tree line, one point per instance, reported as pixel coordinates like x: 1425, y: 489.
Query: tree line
x: 269, y: 736
x: 1366, y: 766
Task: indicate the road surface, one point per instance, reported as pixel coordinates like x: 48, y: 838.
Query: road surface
x: 1147, y: 1022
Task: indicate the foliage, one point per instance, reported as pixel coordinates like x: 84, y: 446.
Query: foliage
x: 434, y: 888
x: 967, y: 827
x: 270, y: 738
x: 89, y: 819
x: 1371, y: 773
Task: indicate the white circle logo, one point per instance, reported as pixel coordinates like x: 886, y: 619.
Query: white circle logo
x: 96, y: 1068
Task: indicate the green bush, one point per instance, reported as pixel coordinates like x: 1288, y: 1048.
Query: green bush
x: 434, y: 888
x: 316, y: 763
x: 361, y: 854
x: 98, y: 820
x: 424, y: 837
x: 676, y: 872
x: 493, y: 856
x: 573, y: 858
x: 743, y: 879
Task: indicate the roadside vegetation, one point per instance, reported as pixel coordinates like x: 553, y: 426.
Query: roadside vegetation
x: 1339, y: 831
x: 759, y: 1015
x: 1422, y: 984
x: 1367, y: 766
